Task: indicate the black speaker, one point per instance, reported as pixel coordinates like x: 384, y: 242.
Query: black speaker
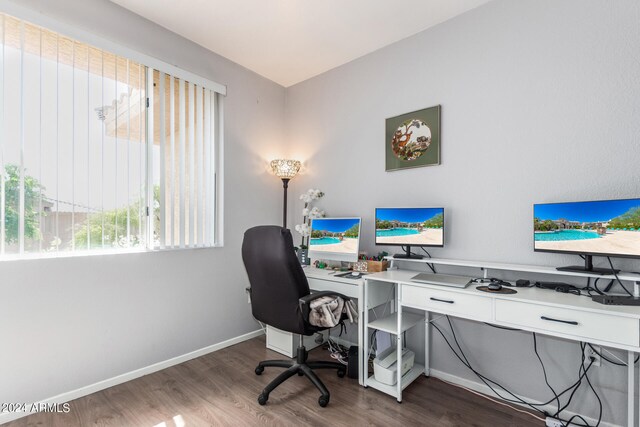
x: 352, y: 363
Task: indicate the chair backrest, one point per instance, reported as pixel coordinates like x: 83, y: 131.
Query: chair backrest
x: 276, y: 277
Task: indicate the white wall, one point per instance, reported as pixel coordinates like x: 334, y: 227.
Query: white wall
x: 69, y: 323
x: 540, y: 103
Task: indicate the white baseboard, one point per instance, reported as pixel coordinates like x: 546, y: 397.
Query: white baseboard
x: 482, y: 388
x: 101, y: 385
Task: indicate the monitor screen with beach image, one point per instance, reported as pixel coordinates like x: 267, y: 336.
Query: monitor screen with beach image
x: 607, y: 227
x: 410, y: 226
x: 335, y: 239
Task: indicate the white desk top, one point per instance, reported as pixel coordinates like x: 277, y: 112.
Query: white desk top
x: 531, y: 295
x: 318, y: 273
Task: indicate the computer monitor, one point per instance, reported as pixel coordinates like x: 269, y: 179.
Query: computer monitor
x: 410, y: 227
x: 335, y: 239
x: 604, y: 228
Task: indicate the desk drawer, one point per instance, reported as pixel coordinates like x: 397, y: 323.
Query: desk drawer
x: 584, y: 325
x: 348, y: 289
x: 442, y: 301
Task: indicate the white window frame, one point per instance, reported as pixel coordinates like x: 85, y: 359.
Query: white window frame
x: 37, y: 18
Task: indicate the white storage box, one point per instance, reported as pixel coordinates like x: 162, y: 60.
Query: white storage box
x: 385, y: 366
x: 287, y: 343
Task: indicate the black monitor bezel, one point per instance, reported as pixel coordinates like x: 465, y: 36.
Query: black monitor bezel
x: 375, y: 217
x: 559, y: 251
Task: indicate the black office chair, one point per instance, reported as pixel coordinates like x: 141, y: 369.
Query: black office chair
x: 280, y: 297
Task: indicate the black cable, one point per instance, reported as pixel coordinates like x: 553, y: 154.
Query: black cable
x: 518, y: 399
x: 544, y: 371
x: 608, y: 288
x: 595, y: 393
x: 431, y: 266
x: 595, y: 287
x: 425, y: 251
x: 603, y: 357
x: 486, y: 381
x: 535, y: 349
x: 568, y: 422
x: 501, y: 327
x: 582, y: 347
x: 580, y: 368
x: 617, y: 278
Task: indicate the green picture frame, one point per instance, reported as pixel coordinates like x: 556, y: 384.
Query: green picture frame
x: 412, y: 140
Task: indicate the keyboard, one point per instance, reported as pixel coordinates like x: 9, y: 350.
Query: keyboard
x: 442, y: 279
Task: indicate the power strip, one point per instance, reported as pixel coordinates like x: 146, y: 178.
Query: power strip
x: 553, y: 422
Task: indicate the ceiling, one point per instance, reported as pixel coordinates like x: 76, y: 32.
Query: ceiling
x: 289, y: 41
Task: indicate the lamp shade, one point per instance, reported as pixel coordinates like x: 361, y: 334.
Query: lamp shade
x: 285, y: 169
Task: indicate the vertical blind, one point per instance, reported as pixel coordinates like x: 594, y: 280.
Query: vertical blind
x: 98, y: 151
x: 185, y: 129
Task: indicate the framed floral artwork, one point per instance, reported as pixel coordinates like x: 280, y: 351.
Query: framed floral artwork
x: 413, y: 139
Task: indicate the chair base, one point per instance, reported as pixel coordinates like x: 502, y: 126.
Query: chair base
x: 301, y: 367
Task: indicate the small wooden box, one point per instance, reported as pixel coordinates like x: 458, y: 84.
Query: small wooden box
x: 377, y: 266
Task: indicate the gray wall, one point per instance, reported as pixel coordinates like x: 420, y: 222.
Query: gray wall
x: 68, y: 323
x: 540, y: 103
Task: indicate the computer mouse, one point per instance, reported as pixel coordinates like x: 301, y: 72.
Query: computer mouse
x: 355, y: 273
x: 494, y: 286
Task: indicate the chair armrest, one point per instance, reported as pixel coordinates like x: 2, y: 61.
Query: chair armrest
x: 305, y: 301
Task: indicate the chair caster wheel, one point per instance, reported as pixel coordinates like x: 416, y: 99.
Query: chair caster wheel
x: 259, y: 370
x: 323, y: 401
x: 341, y: 373
x: 262, y: 399
x: 399, y: 401
x: 300, y: 373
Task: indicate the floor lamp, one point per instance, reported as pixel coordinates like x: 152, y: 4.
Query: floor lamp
x: 285, y: 170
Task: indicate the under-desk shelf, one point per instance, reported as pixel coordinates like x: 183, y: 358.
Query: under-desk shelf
x: 390, y: 323
x: 406, y: 379
x: 633, y: 277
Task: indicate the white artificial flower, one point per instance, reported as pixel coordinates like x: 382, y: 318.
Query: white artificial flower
x: 303, y: 229
x: 305, y: 212
x: 305, y: 198
x: 316, y: 213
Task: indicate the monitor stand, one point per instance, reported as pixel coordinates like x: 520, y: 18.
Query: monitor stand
x: 587, y: 268
x: 408, y: 254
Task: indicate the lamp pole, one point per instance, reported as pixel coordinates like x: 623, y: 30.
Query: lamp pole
x: 285, y: 185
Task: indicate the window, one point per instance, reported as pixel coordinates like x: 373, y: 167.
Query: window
x: 98, y: 151
x: 185, y: 180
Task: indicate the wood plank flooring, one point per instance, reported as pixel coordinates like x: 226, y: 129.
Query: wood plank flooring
x: 220, y: 389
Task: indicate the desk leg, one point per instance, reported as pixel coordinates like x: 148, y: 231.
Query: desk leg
x: 427, y: 334
x: 365, y: 335
x: 399, y: 346
x: 631, y: 388
x: 361, y: 325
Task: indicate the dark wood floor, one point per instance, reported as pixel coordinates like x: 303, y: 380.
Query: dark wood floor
x: 221, y: 389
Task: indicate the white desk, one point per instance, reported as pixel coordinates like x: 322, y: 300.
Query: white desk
x: 542, y: 311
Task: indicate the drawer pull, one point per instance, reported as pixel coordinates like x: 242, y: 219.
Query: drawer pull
x: 441, y: 300
x: 568, y: 322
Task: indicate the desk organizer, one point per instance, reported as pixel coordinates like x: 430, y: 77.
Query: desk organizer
x: 377, y: 266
